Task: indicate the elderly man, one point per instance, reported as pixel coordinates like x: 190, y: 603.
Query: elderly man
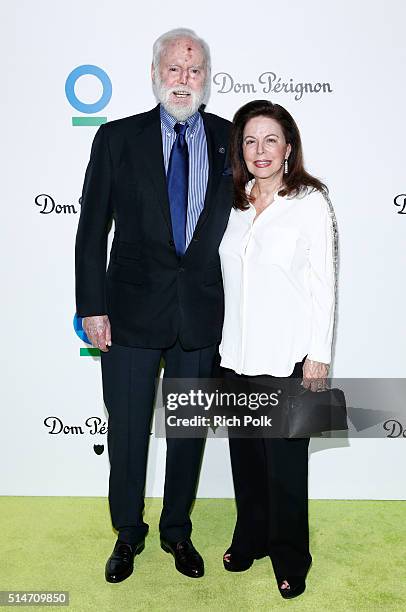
x: 162, y: 176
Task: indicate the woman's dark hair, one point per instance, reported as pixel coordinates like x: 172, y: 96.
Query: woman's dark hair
x: 297, y: 178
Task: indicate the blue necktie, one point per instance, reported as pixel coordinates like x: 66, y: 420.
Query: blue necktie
x: 177, y: 179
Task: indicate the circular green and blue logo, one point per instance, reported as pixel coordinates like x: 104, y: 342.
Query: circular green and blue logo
x: 88, y: 108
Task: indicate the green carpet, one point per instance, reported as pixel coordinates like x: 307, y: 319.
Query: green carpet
x: 358, y: 548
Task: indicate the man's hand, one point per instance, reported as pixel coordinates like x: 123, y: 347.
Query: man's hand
x: 315, y: 375
x: 98, y: 331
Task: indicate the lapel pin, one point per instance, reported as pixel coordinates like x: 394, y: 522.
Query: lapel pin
x: 222, y: 150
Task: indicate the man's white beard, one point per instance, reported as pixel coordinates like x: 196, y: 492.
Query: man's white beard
x: 179, y: 112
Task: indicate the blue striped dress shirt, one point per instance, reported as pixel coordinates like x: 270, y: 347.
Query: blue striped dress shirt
x: 198, y: 163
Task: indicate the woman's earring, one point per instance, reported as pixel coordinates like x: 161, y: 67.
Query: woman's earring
x: 286, y: 167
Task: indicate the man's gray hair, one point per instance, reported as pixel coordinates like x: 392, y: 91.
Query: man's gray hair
x: 164, y: 39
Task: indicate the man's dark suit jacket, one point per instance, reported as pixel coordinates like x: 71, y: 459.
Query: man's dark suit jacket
x: 151, y: 296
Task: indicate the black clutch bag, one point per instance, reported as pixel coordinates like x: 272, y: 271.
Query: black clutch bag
x: 313, y: 412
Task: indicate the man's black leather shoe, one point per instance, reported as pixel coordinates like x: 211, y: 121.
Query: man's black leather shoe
x: 187, y: 559
x: 121, y: 563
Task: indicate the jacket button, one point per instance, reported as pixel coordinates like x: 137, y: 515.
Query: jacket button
x: 171, y: 243
x: 195, y: 239
x: 181, y: 269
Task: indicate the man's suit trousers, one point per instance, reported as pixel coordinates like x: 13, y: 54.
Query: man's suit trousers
x: 129, y: 386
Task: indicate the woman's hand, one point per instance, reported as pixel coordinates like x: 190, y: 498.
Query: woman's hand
x: 315, y: 375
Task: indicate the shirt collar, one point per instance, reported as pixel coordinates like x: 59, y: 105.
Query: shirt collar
x: 169, y: 122
x: 250, y: 185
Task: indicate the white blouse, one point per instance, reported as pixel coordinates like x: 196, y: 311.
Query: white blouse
x: 279, y: 285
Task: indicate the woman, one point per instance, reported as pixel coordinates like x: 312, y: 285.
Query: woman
x: 278, y: 265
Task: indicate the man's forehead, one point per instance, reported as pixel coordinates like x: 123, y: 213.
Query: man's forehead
x: 183, y: 47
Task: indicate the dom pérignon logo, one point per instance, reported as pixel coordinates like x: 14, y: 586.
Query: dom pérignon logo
x: 400, y: 201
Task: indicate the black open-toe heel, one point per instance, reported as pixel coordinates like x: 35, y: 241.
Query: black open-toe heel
x: 236, y: 563
x: 297, y: 585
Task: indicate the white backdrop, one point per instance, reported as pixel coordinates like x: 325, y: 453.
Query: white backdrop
x: 353, y: 133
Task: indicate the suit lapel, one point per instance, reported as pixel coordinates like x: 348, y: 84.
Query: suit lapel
x: 216, y: 155
x: 149, y: 140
